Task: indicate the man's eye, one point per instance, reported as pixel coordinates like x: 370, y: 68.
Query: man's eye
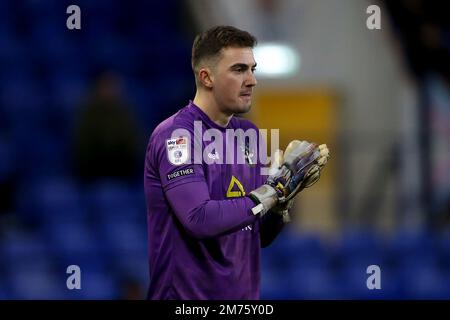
x: 253, y: 70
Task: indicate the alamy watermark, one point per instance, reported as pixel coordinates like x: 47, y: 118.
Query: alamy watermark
x: 74, y: 280
x: 74, y: 20
x: 374, y: 280
x: 373, y: 22
x: 213, y: 146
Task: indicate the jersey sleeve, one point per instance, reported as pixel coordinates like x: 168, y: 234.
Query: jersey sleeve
x: 174, y: 155
x: 204, y: 218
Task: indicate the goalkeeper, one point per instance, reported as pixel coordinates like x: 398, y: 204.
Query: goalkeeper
x: 208, y: 221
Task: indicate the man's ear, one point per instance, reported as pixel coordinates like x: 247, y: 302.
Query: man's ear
x: 205, y: 77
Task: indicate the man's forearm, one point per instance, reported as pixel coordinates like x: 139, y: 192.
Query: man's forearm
x: 206, y: 218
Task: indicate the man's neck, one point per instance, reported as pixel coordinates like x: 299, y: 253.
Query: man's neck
x: 211, y: 109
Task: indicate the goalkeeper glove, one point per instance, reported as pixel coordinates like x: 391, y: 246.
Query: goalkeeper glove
x: 300, y: 169
x: 281, y: 209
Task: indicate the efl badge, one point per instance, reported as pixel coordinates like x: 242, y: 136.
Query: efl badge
x: 177, y: 150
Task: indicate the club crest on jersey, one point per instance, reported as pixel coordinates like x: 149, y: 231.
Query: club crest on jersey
x: 249, y: 154
x: 177, y: 150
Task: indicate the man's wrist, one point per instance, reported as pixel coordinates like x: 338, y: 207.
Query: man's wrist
x: 265, y: 198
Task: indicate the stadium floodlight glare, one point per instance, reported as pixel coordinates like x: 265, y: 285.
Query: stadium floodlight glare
x: 276, y: 60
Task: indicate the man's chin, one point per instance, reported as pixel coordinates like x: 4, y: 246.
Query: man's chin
x: 243, y: 109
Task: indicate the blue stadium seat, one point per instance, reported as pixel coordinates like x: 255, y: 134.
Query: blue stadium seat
x: 419, y: 267
x: 409, y: 245
x: 50, y: 199
x: 76, y: 244
x: 40, y: 153
x: 110, y: 200
x: 300, y: 264
x: 359, y: 242
x: 71, y: 237
x: 28, y: 266
x: 19, y: 250
x: 289, y: 247
x: 52, y: 46
x: 125, y: 236
x: 424, y: 281
x: 69, y: 88
x: 353, y: 253
x: 17, y: 245
x: 275, y: 285
x: 22, y: 99
x: 24, y: 257
x: 38, y: 284
x: 13, y: 52
x: 116, y: 52
x: 313, y: 282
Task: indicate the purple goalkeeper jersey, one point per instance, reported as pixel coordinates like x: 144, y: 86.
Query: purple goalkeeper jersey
x: 204, y: 241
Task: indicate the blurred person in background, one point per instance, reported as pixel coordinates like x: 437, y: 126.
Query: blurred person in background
x: 107, y: 137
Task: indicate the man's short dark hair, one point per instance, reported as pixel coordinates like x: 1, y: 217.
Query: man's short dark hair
x: 209, y: 43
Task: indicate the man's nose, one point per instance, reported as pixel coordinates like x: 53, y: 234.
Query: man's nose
x: 251, y: 80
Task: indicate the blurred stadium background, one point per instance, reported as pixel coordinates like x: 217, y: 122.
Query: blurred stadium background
x: 77, y: 108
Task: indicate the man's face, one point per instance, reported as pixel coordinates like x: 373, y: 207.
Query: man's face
x: 233, y: 79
